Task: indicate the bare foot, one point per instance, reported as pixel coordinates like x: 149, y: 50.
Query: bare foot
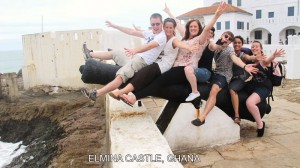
x: 129, y: 98
x: 114, y: 95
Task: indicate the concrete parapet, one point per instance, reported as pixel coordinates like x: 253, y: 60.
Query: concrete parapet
x: 53, y: 58
x: 134, y: 138
x: 9, y: 87
x: 219, y: 129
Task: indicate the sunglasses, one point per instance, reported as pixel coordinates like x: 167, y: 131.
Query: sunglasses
x: 153, y: 24
x: 228, y: 37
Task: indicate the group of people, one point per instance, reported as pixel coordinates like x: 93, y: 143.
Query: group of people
x: 166, y: 60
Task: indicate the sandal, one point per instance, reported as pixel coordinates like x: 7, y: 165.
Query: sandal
x: 237, y: 120
x: 198, y: 122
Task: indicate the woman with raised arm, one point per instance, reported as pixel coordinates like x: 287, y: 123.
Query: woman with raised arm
x: 192, y: 72
x: 179, y: 28
x: 260, y: 86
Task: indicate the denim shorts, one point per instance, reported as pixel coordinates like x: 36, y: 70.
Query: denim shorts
x: 202, y: 74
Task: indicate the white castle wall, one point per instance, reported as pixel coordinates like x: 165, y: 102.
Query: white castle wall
x: 53, y: 58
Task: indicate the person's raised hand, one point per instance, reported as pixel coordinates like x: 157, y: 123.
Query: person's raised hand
x: 250, y: 68
x: 279, y: 53
x: 129, y: 52
x: 166, y: 9
x: 109, y: 24
x: 221, y: 8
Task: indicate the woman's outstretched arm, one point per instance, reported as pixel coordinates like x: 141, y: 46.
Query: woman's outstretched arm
x: 179, y: 27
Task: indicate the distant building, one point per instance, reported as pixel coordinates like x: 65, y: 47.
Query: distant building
x: 267, y: 21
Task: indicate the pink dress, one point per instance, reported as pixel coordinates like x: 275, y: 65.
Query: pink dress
x: 186, y: 58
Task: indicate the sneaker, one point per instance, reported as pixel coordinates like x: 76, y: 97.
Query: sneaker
x: 91, y: 94
x: 86, y: 52
x: 192, y: 96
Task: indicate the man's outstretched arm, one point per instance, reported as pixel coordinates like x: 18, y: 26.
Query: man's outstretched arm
x: 127, y: 30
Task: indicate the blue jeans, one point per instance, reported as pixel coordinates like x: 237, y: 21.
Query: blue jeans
x: 202, y: 74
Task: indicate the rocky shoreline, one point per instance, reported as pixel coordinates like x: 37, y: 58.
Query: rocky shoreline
x: 59, y: 130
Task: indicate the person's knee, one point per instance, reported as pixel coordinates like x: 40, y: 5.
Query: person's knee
x: 214, y: 90
x: 250, y: 103
x: 232, y: 92
x: 189, y: 70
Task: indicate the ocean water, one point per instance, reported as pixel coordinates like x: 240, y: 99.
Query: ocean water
x: 8, y: 151
x: 11, y: 61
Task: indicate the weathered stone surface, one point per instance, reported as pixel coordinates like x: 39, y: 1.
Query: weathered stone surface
x: 133, y: 133
x: 9, y: 87
x: 219, y: 129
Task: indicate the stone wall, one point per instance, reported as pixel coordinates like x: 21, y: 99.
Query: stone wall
x: 9, y: 87
x: 53, y: 58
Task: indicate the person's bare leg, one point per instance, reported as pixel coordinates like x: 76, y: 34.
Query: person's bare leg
x: 235, y: 104
x: 251, y: 104
x: 190, y: 76
x: 110, y: 86
x: 103, y: 55
x: 211, y: 101
x: 128, y: 88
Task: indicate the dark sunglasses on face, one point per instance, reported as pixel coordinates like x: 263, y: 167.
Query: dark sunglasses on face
x: 153, y: 24
x: 228, y: 37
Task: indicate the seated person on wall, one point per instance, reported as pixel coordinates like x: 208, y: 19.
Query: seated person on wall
x: 260, y: 87
x: 141, y: 56
x: 224, y: 58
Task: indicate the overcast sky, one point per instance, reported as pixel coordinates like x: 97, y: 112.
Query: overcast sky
x: 19, y: 17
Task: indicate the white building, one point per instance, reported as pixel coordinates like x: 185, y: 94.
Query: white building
x: 267, y: 21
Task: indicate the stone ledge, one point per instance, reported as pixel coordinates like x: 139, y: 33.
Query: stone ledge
x: 219, y: 129
x: 132, y: 132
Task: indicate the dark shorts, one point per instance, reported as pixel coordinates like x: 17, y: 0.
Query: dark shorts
x: 237, y: 84
x: 219, y: 80
x: 202, y: 74
x: 262, y: 92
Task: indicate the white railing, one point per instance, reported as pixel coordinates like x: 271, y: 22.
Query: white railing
x: 281, y: 20
x: 294, y: 40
